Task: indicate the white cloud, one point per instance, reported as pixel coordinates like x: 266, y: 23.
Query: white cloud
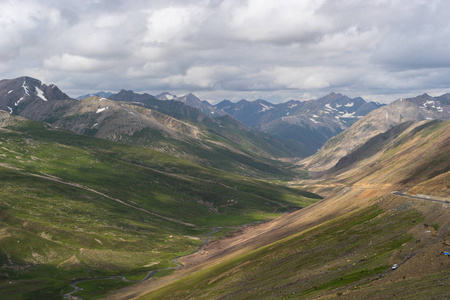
x: 287, y: 21
x: 172, y: 24
x: 266, y: 49
x: 75, y: 63
x: 202, y: 76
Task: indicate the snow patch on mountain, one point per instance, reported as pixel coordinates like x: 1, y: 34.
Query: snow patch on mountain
x: 10, y: 91
x: 349, y: 104
x: 40, y: 94
x: 265, y: 107
x: 100, y: 110
x: 347, y: 115
x: 329, y: 108
x: 18, y: 101
x: 429, y: 103
x: 24, y: 85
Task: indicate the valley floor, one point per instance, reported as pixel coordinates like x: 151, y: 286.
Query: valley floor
x: 421, y: 229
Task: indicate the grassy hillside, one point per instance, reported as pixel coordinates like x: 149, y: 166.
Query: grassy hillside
x: 345, y: 245
x: 221, y: 143
x: 355, y: 248
x: 73, y: 207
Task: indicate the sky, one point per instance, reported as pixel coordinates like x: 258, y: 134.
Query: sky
x: 276, y: 50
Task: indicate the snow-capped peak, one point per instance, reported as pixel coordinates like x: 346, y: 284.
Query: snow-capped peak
x: 165, y: 96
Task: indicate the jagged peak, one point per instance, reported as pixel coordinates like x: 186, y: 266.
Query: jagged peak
x: 165, y: 96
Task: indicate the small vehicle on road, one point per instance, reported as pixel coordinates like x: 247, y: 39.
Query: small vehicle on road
x: 395, y: 266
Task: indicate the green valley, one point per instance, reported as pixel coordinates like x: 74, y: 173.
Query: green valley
x: 74, y: 207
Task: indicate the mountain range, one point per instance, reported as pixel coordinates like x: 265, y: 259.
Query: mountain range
x: 310, y: 122
x: 141, y: 119
x: 259, y: 129
x: 275, y: 136
x: 423, y: 107
x: 134, y: 196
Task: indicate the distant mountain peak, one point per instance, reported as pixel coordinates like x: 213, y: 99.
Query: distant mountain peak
x: 165, y: 96
x: 190, y: 97
x: 16, y: 94
x: 101, y: 94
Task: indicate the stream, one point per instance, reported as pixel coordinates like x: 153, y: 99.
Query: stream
x: 205, y: 238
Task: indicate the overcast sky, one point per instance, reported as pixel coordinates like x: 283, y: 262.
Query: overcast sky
x: 231, y: 49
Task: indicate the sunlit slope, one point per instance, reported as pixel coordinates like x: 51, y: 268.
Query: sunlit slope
x: 406, y: 155
x: 73, y: 206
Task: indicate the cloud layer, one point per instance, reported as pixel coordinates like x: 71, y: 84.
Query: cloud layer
x: 277, y: 50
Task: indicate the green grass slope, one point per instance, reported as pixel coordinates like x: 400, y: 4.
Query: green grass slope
x: 74, y: 207
x: 340, y: 252
x: 218, y: 142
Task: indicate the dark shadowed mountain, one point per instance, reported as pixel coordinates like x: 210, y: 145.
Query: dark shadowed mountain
x: 17, y: 94
x: 192, y: 100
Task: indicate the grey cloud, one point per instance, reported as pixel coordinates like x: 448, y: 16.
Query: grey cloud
x: 284, y: 50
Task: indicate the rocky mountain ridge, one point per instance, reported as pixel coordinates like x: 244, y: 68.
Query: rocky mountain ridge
x: 140, y: 119
x: 192, y: 100
x: 420, y: 108
x: 18, y: 93
x: 310, y: 122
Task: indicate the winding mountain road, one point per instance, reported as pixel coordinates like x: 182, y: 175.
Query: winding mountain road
x: 424, y: 197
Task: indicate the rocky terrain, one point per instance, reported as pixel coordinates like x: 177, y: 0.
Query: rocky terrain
x: 311, y: 122
x: 419, y: 108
